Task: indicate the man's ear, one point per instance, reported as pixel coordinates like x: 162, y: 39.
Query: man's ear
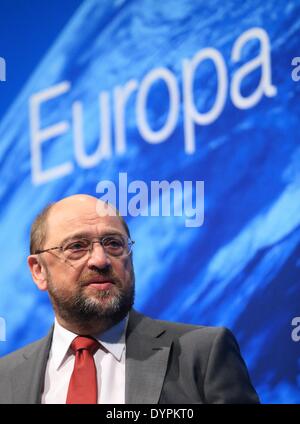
x: 38, y: 272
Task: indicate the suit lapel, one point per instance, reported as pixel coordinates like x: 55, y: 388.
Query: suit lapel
x: 28, y: 376
x: 146, y: 359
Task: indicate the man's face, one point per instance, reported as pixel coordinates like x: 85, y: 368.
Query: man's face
x: 97, y: 287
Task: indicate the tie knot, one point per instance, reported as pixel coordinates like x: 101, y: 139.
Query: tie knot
x: 84, y: 342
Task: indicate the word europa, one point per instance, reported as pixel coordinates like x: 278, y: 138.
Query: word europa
x: 296, y: 71
x: 153, y: 201
x: 2, y: 330
x: 2, y: 69
x: 296, y: 331
x: 112, y: 112
x: 154, y: 413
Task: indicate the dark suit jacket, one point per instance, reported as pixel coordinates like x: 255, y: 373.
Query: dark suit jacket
x: 165, y: 363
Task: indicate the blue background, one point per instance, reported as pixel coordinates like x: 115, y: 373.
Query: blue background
x: 241, y: 268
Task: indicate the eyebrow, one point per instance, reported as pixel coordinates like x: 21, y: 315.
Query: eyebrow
x: 80, y: 235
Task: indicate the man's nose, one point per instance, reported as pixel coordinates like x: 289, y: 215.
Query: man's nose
x: 97, y: 257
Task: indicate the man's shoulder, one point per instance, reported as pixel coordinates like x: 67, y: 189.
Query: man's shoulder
x: 180, y: 329
x: 17, y: 357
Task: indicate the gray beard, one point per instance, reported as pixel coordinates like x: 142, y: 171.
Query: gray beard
x: 103, y: 307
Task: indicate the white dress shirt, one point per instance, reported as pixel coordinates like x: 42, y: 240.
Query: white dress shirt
x: 110, y: 364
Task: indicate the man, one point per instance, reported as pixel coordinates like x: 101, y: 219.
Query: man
x: 100, y: 350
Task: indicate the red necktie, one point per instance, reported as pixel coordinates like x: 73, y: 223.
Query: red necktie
x: 83, y: 382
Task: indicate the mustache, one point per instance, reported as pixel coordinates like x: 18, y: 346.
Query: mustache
x: 106, y: 273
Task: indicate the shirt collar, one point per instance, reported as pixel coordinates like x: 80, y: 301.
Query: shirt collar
x: 114, y: 338
x: 113, y: 341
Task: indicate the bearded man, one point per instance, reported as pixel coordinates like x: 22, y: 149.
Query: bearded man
x: 100, y: 350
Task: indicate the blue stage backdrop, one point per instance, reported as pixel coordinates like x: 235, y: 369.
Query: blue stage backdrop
x: 134, y: 92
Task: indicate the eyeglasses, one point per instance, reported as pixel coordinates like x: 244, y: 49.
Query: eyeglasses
x: 114, y: 245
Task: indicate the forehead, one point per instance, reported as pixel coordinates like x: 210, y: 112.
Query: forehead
x: 65, y: 220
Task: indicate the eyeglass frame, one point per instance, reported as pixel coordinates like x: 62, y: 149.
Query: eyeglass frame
x: 127, y: 240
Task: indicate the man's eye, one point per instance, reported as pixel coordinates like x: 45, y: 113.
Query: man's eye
x: 77, y: 245
x: 113, y: 242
